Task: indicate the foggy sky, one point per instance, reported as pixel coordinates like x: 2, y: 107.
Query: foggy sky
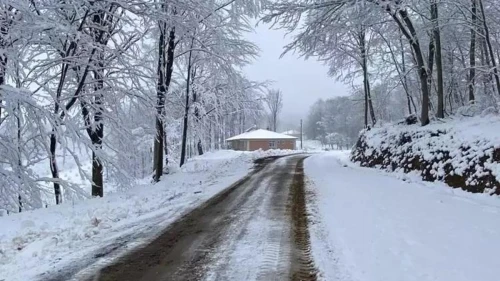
x: 301, y: 81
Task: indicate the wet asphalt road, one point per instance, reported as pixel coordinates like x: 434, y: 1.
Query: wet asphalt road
x: 254, y: 230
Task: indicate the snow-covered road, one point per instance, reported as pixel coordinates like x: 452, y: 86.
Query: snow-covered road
x: 367, y: 225
x: 251, y: 231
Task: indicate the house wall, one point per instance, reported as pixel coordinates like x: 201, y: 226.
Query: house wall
x: 239, y: 144
x: 265, y: 144
x: 252, y: 145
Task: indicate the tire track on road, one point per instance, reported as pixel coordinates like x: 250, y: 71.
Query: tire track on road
x: 302, y: 268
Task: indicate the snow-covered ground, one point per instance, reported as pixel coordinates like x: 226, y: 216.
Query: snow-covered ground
x: 73, y: 234
x: 369, y: 225
x: 311, y: 145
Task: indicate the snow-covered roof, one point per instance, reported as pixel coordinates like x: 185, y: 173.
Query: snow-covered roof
x: 260, y: 134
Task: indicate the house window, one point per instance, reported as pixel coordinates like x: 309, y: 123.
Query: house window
x: 272, y: 144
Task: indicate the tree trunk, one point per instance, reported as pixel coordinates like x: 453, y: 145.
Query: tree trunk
x: 53, y: 139
x: 97, y: 171
x: 485, y: 57
x: 200, y: 147
x: 186, y: 109
x: 472, y: 52
x: 210, y: 135
x: 365, y: 91
x: 165, y: 69
x: 366, y: 82
x: 69, y: 52
x: 158, y: 145
x: 3, y: 72
x: 5, y: 42
x: 160, y: 104
x: 97, y: 130
x: 370, y: 102
x: 490, y: 47
x: 196, y: 116
x: 19, y: 140
x: 410, y: 33
x: 275, y: 121
x: 98, y: 135
x: 53, y: 166
x: 430, y: 62
x: 405, y: 80
x: 439, y: 61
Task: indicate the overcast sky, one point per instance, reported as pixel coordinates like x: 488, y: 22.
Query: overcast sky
x: 301, y: 81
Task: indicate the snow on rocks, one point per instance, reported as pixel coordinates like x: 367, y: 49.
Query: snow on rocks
x: 76, y: 234
x: 462, y: 152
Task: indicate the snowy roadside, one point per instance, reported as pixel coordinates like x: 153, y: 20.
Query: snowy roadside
x: 38, y: 243
x: 371, y: 225
x: 463, y: 152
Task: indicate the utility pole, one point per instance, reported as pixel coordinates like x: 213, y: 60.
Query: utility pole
x: 301, y: 134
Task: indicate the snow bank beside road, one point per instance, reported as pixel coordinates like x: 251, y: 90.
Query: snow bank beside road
x: 368, y: 225
x: 463, y: 152
x: 75, y: 234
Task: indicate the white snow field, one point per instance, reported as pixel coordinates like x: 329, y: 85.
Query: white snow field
x: 369, y: 225
x: 311, y: 145
x: 75, y: 234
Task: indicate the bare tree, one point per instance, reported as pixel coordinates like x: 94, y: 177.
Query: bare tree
x: 439, y: 63
x: 490, y: 47
x: 274, y: 101
x: 164, y: 73
x: 472, y: 51
x: 287, y: 14
x: 366, y: 82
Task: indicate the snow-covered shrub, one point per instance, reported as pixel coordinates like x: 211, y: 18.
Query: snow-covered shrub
x: 464, y: 153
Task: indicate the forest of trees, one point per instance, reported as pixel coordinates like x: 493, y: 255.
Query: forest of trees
x: 125, y: 85
x: 431, y: 58
x: 336, y: 122
x: 130, y: 86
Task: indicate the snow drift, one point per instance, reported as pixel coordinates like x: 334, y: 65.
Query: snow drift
x: 464, y: 153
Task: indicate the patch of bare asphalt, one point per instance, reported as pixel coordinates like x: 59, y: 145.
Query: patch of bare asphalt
x: 185, y: 250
